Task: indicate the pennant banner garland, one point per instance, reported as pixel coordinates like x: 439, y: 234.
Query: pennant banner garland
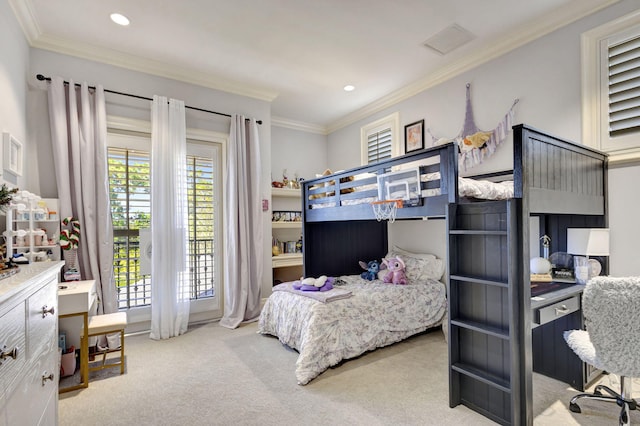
x: 475, y: 145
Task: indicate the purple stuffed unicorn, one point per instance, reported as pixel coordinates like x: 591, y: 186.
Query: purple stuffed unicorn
x: 396, y: 274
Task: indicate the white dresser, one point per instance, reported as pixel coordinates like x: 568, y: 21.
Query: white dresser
x: 29, y: 345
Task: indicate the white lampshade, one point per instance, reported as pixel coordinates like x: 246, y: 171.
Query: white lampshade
x: 588, y: 241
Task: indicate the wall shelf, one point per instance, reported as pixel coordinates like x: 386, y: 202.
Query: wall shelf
x: 286, y: 266
x: 35, y: 228
x: 285, y: 192
x: 286, y: 225
x: 286, y: 260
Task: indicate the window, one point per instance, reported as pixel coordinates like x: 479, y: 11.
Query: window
x: 130, y: 195
x: 201, y: 195
x: 380, y: 140
x: 611, y: 88
x: 624, y: 86
x: 379, y: 146
x: 130, y: 200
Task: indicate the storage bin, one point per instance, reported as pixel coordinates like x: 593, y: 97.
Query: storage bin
x: 68, y: 364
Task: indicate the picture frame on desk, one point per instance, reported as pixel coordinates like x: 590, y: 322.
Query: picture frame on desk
x: 563, y: 275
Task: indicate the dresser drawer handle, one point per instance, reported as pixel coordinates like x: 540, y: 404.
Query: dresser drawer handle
x: 4, y: 354
x: 45, y: 311
x: 562, y: 310
x: 46, y: 377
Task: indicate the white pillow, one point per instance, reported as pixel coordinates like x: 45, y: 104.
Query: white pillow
x: 402, y: 252
x: 419, y: 267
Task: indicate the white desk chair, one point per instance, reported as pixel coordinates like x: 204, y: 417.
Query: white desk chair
x: 611, y: 307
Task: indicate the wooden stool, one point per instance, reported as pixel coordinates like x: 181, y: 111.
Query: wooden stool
x: 108, y: 324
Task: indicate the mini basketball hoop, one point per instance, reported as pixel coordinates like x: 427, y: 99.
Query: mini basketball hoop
x: 386, y: 209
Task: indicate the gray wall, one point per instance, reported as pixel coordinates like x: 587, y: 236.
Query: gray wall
x: 24, y: 109
x: 545, y: 76
x: 299, y: 152
x: 42, y: 176
x: 14, y: 61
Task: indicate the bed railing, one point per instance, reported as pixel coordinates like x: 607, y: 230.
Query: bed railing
x: 347, y: 195
x: 551, y: 174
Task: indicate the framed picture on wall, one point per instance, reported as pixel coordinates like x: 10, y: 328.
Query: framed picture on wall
x: 414, y: 136
x: 12, y: 154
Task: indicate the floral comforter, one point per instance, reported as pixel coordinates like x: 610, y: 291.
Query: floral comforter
x: 377, y: 315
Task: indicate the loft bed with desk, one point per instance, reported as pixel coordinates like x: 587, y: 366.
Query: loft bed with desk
x: 491, y: 324
x: 498, y: 332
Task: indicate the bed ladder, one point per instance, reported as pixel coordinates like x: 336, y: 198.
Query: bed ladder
x: 487, y: 339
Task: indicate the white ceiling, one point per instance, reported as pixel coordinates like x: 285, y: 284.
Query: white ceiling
x: 296, y: 53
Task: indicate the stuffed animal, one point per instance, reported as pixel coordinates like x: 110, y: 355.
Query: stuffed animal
x: 371, y: 269
x: 322, y: 283
x: 477, y: 140
x: 396, y: 274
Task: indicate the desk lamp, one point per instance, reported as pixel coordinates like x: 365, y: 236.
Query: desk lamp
x: 587, y: 242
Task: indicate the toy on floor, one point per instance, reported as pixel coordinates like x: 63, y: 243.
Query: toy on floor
x: 371, y: 269
x: 396, y: 274
x: 322, y: 283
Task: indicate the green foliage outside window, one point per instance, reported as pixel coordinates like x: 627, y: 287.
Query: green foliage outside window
x: 130, y: 199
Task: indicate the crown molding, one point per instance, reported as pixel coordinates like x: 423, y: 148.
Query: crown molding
x: 299, y: 125
x: 35, y: 38
x: 569, y: 13
x: 149, y: 66
x: 23, y: 10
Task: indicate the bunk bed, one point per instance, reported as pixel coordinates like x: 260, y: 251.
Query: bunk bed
x: 375, y: 314
x: 490, y: 317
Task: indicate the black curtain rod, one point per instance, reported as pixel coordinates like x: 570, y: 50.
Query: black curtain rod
x: 43, y: 78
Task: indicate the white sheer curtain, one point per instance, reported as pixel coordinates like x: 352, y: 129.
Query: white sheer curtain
x: 243, y: 215
x: 169, y: 222
x: 78, y: 123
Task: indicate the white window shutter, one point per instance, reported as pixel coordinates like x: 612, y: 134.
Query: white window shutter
x: 379, y: 146
x: 624, y: 87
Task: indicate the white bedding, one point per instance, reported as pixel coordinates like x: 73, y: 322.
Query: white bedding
x: 377, y: 315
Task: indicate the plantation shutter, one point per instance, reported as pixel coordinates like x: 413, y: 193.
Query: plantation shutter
x: 379, y: 146
x: 201, y: 196
x: 624, y: 87
x: 130, y: 195
x: 129, y: 189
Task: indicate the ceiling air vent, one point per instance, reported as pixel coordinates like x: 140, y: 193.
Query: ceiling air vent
x: 449, y: 39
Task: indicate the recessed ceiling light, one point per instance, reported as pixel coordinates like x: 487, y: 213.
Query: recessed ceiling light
x: 349, y: 88
x: 119, y: 19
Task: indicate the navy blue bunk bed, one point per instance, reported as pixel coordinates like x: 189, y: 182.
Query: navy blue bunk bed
x: 339, y: 226
x: 491, y: 323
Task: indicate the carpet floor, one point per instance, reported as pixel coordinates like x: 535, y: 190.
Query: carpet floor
x: 216, y: 376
